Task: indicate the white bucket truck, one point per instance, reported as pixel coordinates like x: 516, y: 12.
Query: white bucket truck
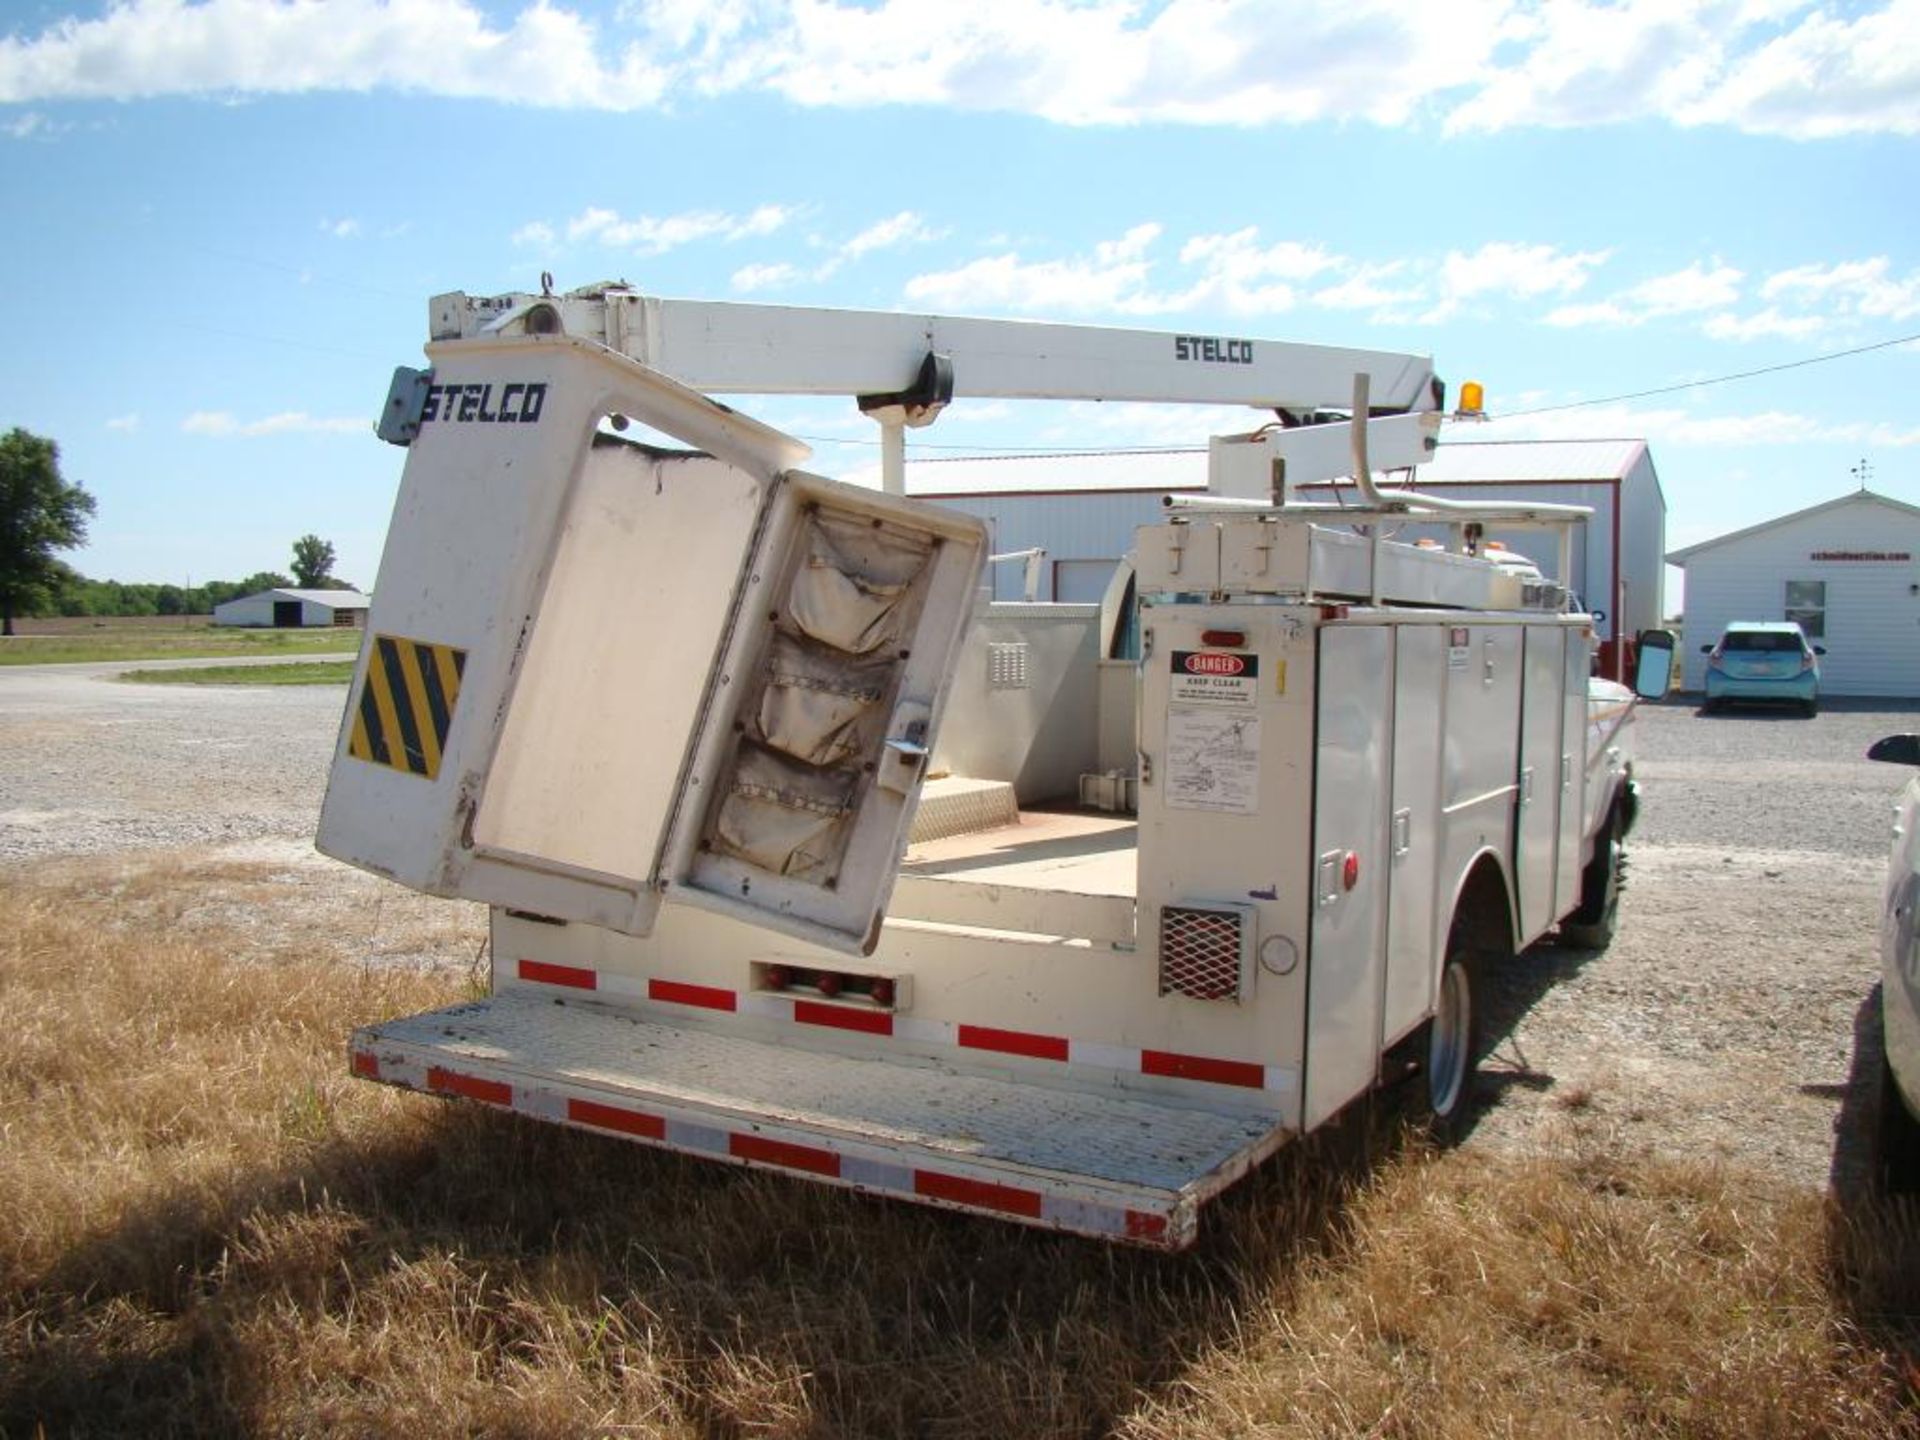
x: 669, y: 712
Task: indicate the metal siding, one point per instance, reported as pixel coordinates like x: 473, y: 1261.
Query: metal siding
x: 1873, y: 617
x: 249, y: 610
x: 1068, y: 527
x: 1643, y: 540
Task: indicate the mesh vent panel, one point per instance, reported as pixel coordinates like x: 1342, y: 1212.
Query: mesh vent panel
x: 1200, y: 953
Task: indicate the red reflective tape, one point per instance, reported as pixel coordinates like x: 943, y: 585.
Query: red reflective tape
x: 550, y: 974
x: 1013, y: 1042
x: 1142, y: 1226
x: 707, y: 997
x: 980, y: 1194
x: 785, y: 1154
x: 867, y: 1022
x: 1199, y: 1067
x: 366, y: 1066
x: 469, y: 1087
x: 612, y: 1117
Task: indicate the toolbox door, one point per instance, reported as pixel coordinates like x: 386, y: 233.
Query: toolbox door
x: 1543, y: 776
x: 1353, y: 749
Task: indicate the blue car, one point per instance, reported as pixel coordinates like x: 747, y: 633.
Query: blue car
x: 1763, y: 660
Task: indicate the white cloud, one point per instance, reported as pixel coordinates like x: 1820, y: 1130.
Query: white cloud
x: 535, y: 235
x: 341, y: 229
x: 1683, y: 292
x: 906, y: 228
x: 1764, y: 324
x: 657, y: 234
x: 1824, y: 77
x: 1864, y: 288
x: 548, y: 55
x: 1367, y: 288
x: 1784, y: 67
x: 125, y: 424
x: 1504, y: 269
x: 32, y: 125
x: 1686, y: 291
x: 1113, y: 279
x: 749, y: 278
x: 223, y: 424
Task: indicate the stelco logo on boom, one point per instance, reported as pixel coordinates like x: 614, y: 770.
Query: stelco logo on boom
x: 519, y: 404
x: 1214, y: 664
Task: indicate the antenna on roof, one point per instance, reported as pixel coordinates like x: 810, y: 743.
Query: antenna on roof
x: 1862, y: 472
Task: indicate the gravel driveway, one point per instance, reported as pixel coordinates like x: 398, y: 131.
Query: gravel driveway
x: 1721, y: 1024
x: 91, y: 764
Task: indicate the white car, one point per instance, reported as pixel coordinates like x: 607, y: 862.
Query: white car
x: 1897, y: 1158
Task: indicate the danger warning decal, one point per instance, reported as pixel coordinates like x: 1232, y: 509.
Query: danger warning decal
x: 405, y: 706
x: 1215, y: 677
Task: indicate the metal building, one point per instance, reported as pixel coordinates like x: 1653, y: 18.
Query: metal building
x: 288, y: 609
x: 1846, y: 570
x: 1083, y: 509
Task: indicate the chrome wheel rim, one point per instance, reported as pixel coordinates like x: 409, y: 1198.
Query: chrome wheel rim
x: 1447, y: 1054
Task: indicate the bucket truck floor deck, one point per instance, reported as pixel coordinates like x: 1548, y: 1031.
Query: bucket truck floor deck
x: 1100, y: 1164
x: 1066, y: 873
x: 1073, y: 851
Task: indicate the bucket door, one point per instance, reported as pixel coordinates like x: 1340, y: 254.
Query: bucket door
x: 600, y: 675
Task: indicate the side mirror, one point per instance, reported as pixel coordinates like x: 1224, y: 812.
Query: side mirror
x: 1653, y: 669
x: 1897, y: 750
x: 1706, y: 649
x: 1819, y: 649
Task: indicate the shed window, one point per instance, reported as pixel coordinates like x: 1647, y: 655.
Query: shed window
x: 1807, y: 604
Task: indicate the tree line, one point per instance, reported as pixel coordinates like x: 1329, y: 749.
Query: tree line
x: 71, y: 593
x: 42, y: 512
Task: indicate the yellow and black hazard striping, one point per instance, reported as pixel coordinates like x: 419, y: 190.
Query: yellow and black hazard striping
x: 406, y: 704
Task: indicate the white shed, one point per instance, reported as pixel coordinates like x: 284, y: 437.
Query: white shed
x: 1845, y: 569
x: 1083, y: 509
x: 294, y: 609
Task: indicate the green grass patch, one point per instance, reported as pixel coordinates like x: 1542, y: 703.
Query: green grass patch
x: 294, y: 672
x: 184, y: 644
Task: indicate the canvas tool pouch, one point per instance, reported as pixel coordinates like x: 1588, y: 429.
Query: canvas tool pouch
x: 852, y: 589
x: 783, y: 815
x: 816, y: 706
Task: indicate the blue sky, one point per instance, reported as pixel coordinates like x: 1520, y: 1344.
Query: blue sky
x: 223, y: 219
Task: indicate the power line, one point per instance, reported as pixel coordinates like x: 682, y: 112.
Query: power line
x: 1715, y: 379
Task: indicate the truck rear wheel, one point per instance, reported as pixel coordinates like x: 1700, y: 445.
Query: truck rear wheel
x: 1448, y: 1048
x: 1592, y: 925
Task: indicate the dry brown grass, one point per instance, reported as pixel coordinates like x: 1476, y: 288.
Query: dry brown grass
x: 207, y: 1229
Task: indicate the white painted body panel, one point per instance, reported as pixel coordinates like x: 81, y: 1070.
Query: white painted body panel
x: 1900, y: 949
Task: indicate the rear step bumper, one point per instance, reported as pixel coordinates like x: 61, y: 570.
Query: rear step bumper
x: 1104, y: 1165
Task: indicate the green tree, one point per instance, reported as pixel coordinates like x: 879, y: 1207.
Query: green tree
x: 312, y: 562
x: 39, y: 514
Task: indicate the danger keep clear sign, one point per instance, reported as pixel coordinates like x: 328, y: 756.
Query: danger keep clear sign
x: 1215, y: 677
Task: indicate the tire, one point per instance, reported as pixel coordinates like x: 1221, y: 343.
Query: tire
x: 1592, y: 924
x: 1896, y: 1157
x: 1812, y: 707
x: 1447, y: 1050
